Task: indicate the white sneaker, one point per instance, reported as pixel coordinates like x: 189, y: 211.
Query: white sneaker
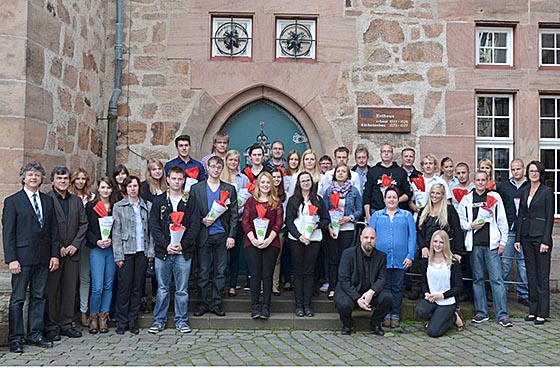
x: 154, y: 329
x: 184, y: 328
x: 324, y: 288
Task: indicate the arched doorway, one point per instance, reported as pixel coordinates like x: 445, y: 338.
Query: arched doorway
x: 263, y: 122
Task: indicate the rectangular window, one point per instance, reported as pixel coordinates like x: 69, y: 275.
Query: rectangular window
x: 549, y: 47
x: 232, y: 37
x: 494, y: 46
x: 494, y: 132
x: 296, y: 39
x: 549, y: 115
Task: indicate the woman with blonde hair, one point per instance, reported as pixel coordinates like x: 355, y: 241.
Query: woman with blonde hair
x: 441, y: 285
x: 487, y: 166
x: 81, y: 187
x: 262, y: 252
x: 155, y: 182
x: 310, y: 163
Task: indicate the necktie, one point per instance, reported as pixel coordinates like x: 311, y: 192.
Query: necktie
x: 37, y: 210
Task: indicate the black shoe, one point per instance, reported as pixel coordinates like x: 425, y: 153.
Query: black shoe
x: 41, y: 342
x: 134, y: 330
x: 539, y: 321
x: 255, y: 313
x: 119, y: 330
x: 200, y: 310
x: 217, y: 310
x: 530, y: 318
x: 378, y: 330
x: 346, y: 331
x: 265, y: 313
x: 52, y: 335
x: 16, y: 347
x: 309, y: 312
x: 276, y: 293
x: 524, y: 302
x: 71, y: 332
x: 300, y: 312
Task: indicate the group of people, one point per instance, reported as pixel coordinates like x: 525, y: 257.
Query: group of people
x: 293, y: 217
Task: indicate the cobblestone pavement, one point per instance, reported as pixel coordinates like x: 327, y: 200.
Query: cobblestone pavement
x: 487, y: 344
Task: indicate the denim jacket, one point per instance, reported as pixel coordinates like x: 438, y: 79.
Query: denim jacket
x: 353, y: 205
x: 124, y: 229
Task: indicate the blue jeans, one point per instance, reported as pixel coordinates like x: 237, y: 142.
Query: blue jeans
x: 394, y: 285
x: 176, y: 265
x: 103, y: 270
x: 507, y: 261
x: 480, y: 256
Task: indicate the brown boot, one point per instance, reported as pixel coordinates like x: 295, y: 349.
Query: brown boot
x: 103, y: 322
x: 93, y: 324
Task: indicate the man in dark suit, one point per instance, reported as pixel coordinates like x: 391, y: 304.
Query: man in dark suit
x: 61, y: 284
x: 216, y: 236
x: 30, y: 237
x: 361, y: 283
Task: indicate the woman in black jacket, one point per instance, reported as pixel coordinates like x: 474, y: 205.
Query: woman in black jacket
x: 304, y: 238
x: 441, y: 285
x: 534, y: 230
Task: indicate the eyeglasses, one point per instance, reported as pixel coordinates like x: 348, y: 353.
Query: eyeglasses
x: 533, y: 171
x: 215, y: 167
x: 387, y: 151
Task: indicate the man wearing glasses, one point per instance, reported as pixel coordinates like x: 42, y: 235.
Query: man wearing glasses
x: 216, y: 236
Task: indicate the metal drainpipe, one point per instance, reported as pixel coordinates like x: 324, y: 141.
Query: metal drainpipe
x: 117, y: 89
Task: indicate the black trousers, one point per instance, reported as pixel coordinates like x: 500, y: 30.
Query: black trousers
x: 345, y: 306
x: 261, y: 264
x: 335, y: 249
x: 36, y: 278
x: 303, y: 267
x: 440, y: 317
x: 61, y: 295
x: 212, y: 258
x: 538, y: 276
x: 132, y: 277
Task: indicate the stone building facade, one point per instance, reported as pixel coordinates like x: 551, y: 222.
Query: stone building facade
x: 478, y: 77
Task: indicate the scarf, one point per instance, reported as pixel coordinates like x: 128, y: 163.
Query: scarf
x: 343, y: 190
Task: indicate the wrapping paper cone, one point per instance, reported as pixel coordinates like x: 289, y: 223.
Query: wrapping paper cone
x: 189, y: 182
x: 459, y: 194
x: 100, y: 209
x: 484, y: 215
x: 419, y: 197
x: 261, y: 226
x: 312, y: 210
x: 308, y: 224
x: 491, y: 185
x: 335, y: 199
x: 192, y: 172
x: 491, y: 201
x: 176, y: 232
x: 217, y: 210
x: 177, y: 217
x: 105, y: 225
x: 242, y: 196
x: 419, y: 182
x: 336, y: 215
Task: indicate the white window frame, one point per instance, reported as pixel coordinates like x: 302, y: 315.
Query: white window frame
x: 217, y: 21
x: 556, y: 33
x: 492, y: 142
x: 509, y: 44
x: 551, y: 144
x: 310, y: 23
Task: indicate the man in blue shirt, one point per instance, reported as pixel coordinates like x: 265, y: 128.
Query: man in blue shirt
x: 183, y: 160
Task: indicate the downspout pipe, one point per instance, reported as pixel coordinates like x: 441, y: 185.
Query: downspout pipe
x: 117, y: 89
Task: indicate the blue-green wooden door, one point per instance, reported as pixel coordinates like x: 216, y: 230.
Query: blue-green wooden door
x: 266, y: 122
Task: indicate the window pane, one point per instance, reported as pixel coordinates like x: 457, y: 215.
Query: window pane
x: 485, y: 39
x: 483, y: 153
x: 500, y: 39
x: 502, y: 128
x: 557, y: 40
x: 547, y: 128
x: 502, y: 106
x: 501, y: 176
x: 547, y: 158
x: 501, y: 158
x: 548, y: 56
x: 557, y: 56
x: 547, y: 40
x: 558, y: 204
x: 500, y: 56
x: 485, y: 56
x: 484, y: 127
x: 549, y: 179
x: 547, y: 107
x: 484, y: 106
